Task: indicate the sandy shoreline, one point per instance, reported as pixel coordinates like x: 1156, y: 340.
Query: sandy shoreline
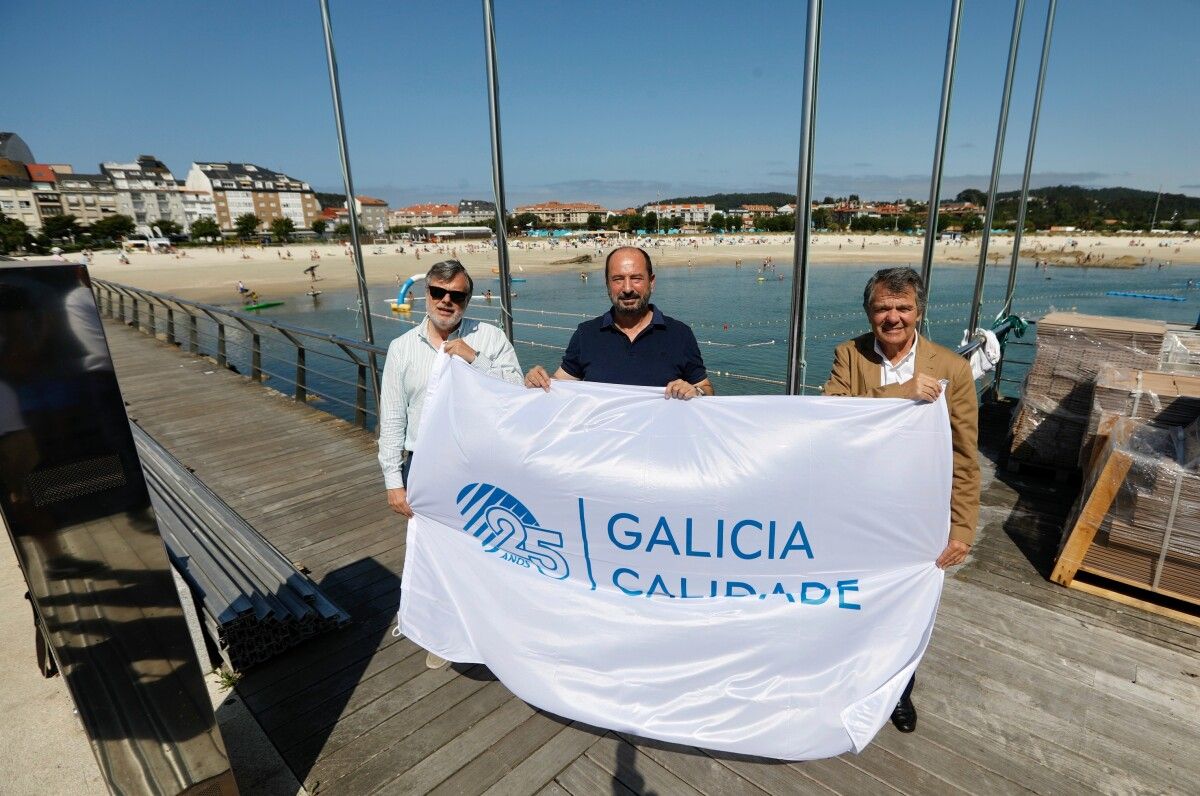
x: 206, y: 274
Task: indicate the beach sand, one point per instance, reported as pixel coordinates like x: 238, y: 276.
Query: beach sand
x: 205, y: 274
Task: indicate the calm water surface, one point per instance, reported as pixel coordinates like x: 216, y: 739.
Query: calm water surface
x: 741, y: 322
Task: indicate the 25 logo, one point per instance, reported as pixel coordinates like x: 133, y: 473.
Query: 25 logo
x: 504, y: 524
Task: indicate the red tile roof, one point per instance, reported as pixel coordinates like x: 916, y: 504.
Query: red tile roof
x: 40, y: 172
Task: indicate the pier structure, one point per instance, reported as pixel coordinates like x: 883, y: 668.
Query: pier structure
x: 1025, y: 687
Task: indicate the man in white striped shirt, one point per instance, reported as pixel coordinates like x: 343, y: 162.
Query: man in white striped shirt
x: 410, y: 357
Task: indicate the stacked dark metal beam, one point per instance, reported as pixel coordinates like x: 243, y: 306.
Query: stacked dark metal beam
x: 254, y: 603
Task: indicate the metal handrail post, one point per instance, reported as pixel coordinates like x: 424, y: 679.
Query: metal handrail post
x: 1033, y: 128
x: 493, y: 82
x: 151, y: 318
x: 997, y: 156
x: 222, y: 360
x: 193, y: 334
x: 255, y: 356
x: 360, y: 387
x: 344, y: 152
x: 301, y: 381
x: 157, y: 300
x: 939, y: 150
x: 255, y: 350
x: 797, y: 342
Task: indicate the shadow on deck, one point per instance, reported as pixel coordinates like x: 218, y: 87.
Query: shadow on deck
x: 1026, y: 687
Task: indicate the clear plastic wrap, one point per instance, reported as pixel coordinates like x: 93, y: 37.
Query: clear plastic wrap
x: 1181, y: 351
x: 1191, y: 446
x: 1161, y: 398
x: 1150, y: 532
x: 1050, y: 425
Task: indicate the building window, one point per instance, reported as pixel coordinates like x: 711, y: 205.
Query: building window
x: 24, y: 204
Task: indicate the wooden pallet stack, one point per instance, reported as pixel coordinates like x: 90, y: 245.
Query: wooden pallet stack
x: 1056, y: 404
x: 1157, y: 397
x: 1138, y: 519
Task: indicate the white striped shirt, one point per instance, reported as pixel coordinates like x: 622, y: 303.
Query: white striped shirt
x: 406, y: 372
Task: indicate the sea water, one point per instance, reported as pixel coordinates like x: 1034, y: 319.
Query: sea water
x: 740, y: 315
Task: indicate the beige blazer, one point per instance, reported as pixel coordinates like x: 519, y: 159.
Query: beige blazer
x: 856, y: 373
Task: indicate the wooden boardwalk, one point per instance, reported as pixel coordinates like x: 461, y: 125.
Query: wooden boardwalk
x: 1026, y: 687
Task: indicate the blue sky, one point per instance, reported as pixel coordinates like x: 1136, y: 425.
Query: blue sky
x: 615, y: 102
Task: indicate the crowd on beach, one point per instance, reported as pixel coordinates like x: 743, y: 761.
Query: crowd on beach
x: 208, y: 273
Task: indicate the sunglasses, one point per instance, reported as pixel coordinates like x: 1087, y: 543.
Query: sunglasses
x: 439, y: 293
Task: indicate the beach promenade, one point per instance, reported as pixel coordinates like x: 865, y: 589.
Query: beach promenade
x: 206, y: 274
x: 1026, y: 687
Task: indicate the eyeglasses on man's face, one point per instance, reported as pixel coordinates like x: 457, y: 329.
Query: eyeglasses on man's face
x: 439, y: 293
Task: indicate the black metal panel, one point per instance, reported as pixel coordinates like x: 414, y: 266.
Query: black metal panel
x: 76, y: 506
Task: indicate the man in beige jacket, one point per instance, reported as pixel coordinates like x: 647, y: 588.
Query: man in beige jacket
x: 894, y: 361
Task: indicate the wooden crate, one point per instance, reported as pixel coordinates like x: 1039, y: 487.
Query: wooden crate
x: 1106, y: 542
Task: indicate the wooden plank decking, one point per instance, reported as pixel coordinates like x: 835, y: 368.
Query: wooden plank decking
x: 1027, y: 687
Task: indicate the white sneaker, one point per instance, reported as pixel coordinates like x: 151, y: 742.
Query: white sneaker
x: 434, y: 661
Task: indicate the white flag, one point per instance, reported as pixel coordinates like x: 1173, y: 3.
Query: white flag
x: 747, y: 574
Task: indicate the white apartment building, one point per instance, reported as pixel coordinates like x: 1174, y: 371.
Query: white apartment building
x: 17, y: 201
x: 88, y: 197
x: 475, y: 210
x: 197, y: 205
x: 16, y: 190
x: 240, y: 188
x: 146, y: 192
x: 372, y: 214
x: 690, y: 213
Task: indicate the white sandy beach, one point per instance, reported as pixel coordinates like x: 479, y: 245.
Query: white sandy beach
x: 211, y: 275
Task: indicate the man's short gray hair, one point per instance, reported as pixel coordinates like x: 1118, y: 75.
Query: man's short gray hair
x: 895, y: 281
x: 447, y: 270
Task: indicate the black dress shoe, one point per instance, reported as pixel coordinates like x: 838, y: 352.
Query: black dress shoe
x: 904, y: 716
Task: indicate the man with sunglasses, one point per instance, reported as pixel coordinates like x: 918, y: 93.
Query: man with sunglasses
x: 633, y: 343
x: 410, y: 357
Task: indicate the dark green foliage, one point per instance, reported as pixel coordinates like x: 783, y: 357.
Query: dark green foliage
x: 1088, y: 208
x: 111, y: 228
x: 246, y: 225
x: 205, y: 228
x: 14, y: 234
x: 61, y: 227
x: 337, y: 200
x: 282, y: 229
x: 732, y: 201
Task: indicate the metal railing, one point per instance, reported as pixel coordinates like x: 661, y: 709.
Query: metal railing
x: 264, y: 350
x: 318, y: 365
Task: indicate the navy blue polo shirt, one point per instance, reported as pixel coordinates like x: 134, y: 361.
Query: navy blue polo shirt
x: 662, y: 352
